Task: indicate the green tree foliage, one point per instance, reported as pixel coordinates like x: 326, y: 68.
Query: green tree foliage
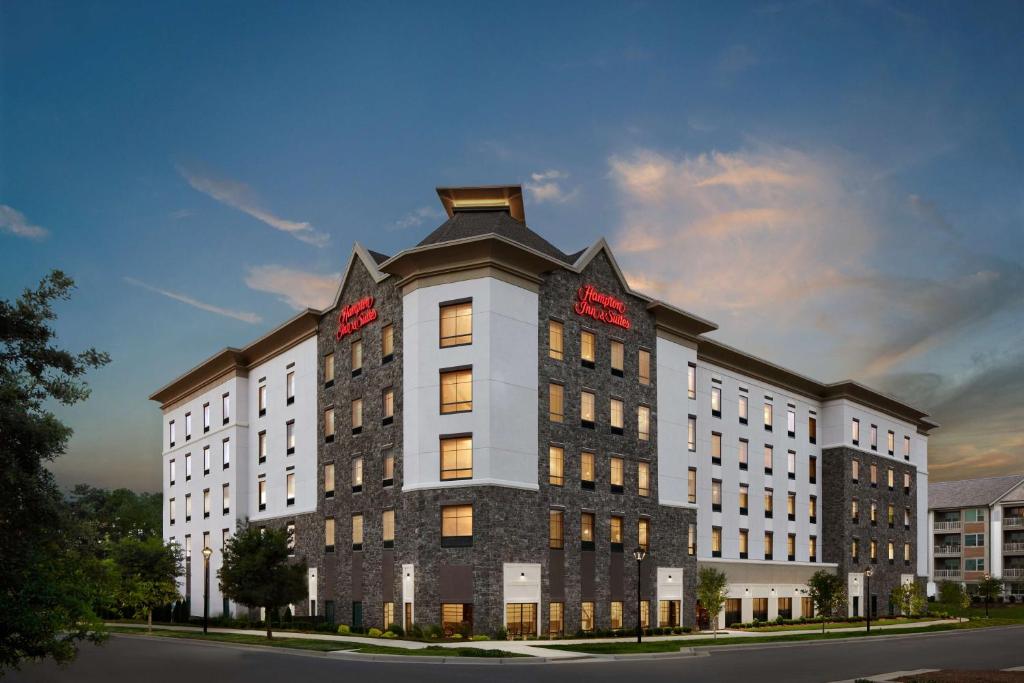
x: 828, y: 593
x: 711, y: 591
x: 257, y: 572
x: 990, y: 589
x: 951, y: 593
x: 147, y: 571
x: 909, y: 599
x: 49, y: 575
x: 117, y: 514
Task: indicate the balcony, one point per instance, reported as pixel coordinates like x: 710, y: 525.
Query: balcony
x: 948, y: 526
x: 1013, y: 548
x: 1013, y: 522
x: 946, y: 550
x: 1013, y: 573
x: 947, y: 574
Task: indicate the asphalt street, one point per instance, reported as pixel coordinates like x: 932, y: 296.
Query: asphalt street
x: 155, y: 660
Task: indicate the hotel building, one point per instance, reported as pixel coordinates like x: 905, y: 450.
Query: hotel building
x: 977, y: 530
x: 481, y: 429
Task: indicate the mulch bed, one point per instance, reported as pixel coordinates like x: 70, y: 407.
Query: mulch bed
x: 954, y: 676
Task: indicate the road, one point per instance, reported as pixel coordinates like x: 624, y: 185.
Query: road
x: 154, y: 660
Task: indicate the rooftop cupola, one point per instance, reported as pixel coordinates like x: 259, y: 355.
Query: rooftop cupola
x: 483, y: 198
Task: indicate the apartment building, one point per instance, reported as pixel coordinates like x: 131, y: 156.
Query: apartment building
x: 499, y: 425
x: 977, y: 531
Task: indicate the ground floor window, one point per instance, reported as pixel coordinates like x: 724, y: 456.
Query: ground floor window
x: 389, y: 615
x: 521, y: 618
x: 329, y: 611
x: 357, y: 614
x: 786, y: 608
x: 556, y: 618
x: 457, y: 617
x: 760, y: 609
x: 587, y: 616
x: 733, y: 611
x: 616, y: 615
x: 668, y: 613
x: 806, y: 607
x: 645, y: 614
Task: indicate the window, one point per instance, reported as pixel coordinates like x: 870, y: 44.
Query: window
x: 206, y: 503
x: 171, y: 471
x: 357, y: 473
x: 768, y: 417
x: 171, y: 432
x: 643, y: 479
x: 556, y: 465
x: 874, y: 513
x: 587, y: 409
x: 290, y: 488
x: 855, y: 511
x: 791, y: 423
x: 457, y: 390
x: 615, y: 532
x: 668, y: 613
x: 744, y: 543
x: 791, y: 464
x: 457, y: 324
x: 586, y: 616
x: 891, y: 442
x: 329, y: 534
x: 691, y: 540
x: 906, y: 518
x: 262, y: 493
x: 587, y: 350
x: 289, y: 383
x: 906, y: 483
x: 691, y: 486
x: 329, y: 369
x: 716, y: 448
x: 716, y: 402
x: 615, y: 473
x: 906, y: 446
x: 225, y: 453
x: 769, y: 545
x: 855, y: 431
x: 812, y: 509
x: 456, y: 526
x: 188, y: 467
x: 357, y: 416
x: 974, y: 540
x: 389, y: 467
x: 389, y: 616
x: 791, y: 506
x: 387, y: 399
x: 387, y: 343
x: 170, y: 510
x: 188, y: 426
x: 716, y: 495
x: 225, y: 407
x: 644, y: 533
x: 206, y: 417
x: 225, y: 496
x: 329, y: 480
x: 743, y: 409
x: 289, y: 436
x: 556, y: 529
x: 587, y: 470
x: 357, y: 531
x: 812, y: 548
x: 556, y: 402
x: 615, y: 411
x: 769, y: 459
x: 457, y: 457
x: 744, y: 498
x: 874, y: 475
x: 645, y: 613
x: 974, y: 515
x: 812, y: 429
x: 691, y: 434
x: 854, y: 549
x: 873, y: 549
x: 261, y: 399
x: 188, y: 547
x: 618, y: 352
x: 556, y: 340
x: 769, y: 502
x: 785, y: 608
x: 791, y: 547
x: 644, y: 366
x: 906, y: 553
x: 974, y: 565
x: 744, y: 454
x: 890, y: 515
x: 329, y: 425
x: 874, y: 437
x: 586, y: 530
x: 812, y: 469
x: 691, y: 380
x: 615, y: 615
x: 855, y: 468
x: 643, y: 423
x: 555, y: 618
x: 891, y: 552
x: 890, y: 478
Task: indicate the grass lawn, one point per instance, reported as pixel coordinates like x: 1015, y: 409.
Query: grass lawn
x: 1015, y: 611
x: 319, y: 645
x: 832, y: 625
x: 674, y: 645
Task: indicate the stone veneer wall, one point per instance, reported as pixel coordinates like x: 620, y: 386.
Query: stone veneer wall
x: 839, y: 530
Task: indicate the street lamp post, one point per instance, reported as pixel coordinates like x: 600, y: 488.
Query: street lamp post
x: 638, y: 554
x: 867, y: 586
x: 206, y: 588
x: 987, y: 577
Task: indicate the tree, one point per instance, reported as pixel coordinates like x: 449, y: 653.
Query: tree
x: 712, y: 585
x: 47, y: 573
x: 257, y: 572
x: 118, y: 513
x: 147, y: 571
x: 989, y: 589
x: 828, y: 593
x: 909, y: 598
x: 950, y: 593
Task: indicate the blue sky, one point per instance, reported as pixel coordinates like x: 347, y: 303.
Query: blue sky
x: 839, y: 185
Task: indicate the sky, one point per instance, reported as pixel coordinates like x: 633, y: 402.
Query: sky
x: 839, y: 185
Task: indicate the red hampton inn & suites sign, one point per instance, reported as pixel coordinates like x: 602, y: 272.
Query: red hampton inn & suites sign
x: 354, y: 316
x: 601, y: 306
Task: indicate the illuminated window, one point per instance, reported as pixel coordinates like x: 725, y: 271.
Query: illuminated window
x: 812, y: 429
x: 855, y: 431
x: 791, y: 547
x: 457, y: 457
x: 716, y: 402
x: 644, y: 362
x: 587, y: 350
x: 744, y: 454
x: 855, y: 469
x: 456, y: 617
x: 890, y: 515
x: 457, y: 324
x: 906, y: 553
x: 289, y: 383
x: 890, y: 478
x: 587, y: 530
x: 791, y: 422
x: 329, y: 424
x: 769, y: 545
x: 556, y: 529
x: 691, y: 486
x: 768, y: 416
x: 289, y: 434
x: 691, y: 434
x: 691, y: 380
x: 744, y: 498
x: 874, y: 550
x: 388, y: 526
x: 329, y: 534
x: 587, y: 469
x: 891, y: 442
x: 812, y: 548
x: 387, y: 343
x: 329, y: 368
x: 643, y: 477
x: 615, y: 530
x: 691, y: 540
x: 357, y: 532
x: 744, y: 543
x: 586, y: 616
x: 645, y: 614
x: 556, y: 465
x: 388, y: 405
x: 389, y: 616
x: 854, y: 510
x: 261, y: 399
x: 644, y: 533
x: 357, y: 415
x: 769, y: 458
x: 262, y: 493
x: 225, y: 453
x: 769, y: 502
x: 743, y: 409
x: 357, y: 474
x: 716, y: 448
x: 615, y: 473
x: 874, y: 474
x: 587, y: 408
x: 290, y: 488
x: 854, y: 549
x: 716, y: 541
x: 618, y: 353
x: 616, y: 415
x: 556, y: 340
x: 615, y: 615
x: 225, y: 498
x: 456, y: 525
x: 389, y: 467
x: 329, y: 480
x: 457, y: 391
x: 556, y: 612
x: 812, y: 509
x: 668, y: 613
x: 643, y: 423
x: 874, y: 513
x: 556, y: 402
x: 716, y: 495
x: 906, y: 482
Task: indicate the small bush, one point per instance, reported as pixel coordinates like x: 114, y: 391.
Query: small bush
x: 388, y: 634
x: 501, y: 634
x: 375, y: 632
x: 343, y: 629
x: 479, y: 637
x: 397, y: 630
x: 687, y: 629
x: 456, y: 636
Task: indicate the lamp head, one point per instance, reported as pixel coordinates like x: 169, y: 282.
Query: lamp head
x: 639, y: 554
x: 868, y: 572
x: 207, y: 552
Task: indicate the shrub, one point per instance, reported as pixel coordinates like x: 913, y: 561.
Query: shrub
x: 687, y: 629
x: 375, y: 632
x: 501, y: 634
x: 343, y: 629
x: 397, y: 630
x: 479, y: 637
x: 456, y: 636
x: 435, y: 631
x: 388, y: 634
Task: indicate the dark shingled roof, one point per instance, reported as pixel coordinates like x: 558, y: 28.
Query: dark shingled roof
x: 970, y: 492
x: 377, y: 256
x: 467, y: 224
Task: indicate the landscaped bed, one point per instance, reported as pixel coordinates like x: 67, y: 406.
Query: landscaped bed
x: 956, y: 676
x: 770, y: 627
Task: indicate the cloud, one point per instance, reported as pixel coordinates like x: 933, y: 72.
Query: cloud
x: 545, y: 186
x: 185, y: 299
x: 14, y: 223
x: 240, y: 196
x: 296, y: 288
x: 416, y: 218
